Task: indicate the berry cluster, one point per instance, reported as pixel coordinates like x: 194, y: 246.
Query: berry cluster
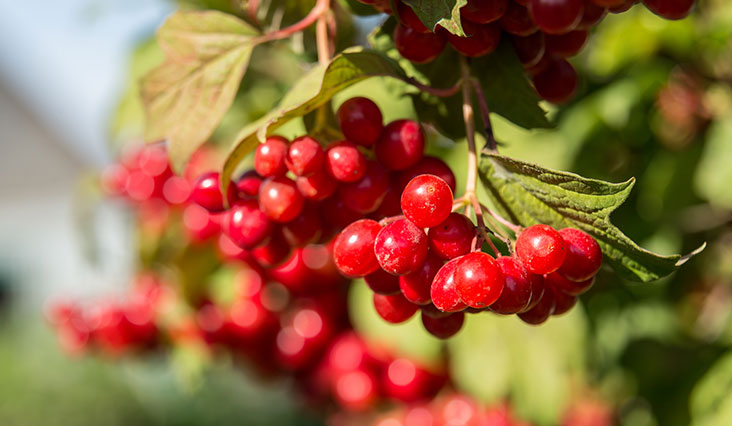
x: 544, y: 33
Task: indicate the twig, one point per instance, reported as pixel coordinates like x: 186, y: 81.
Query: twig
x: 320, y: 9
x: 505, y: 222
x: 468, y: 117
x: 321, y: 36
x: 485, y: 114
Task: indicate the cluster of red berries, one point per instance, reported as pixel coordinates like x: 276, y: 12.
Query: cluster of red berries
x: 544, y: 33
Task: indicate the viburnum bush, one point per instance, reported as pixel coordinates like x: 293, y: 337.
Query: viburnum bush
x: 252, y: 249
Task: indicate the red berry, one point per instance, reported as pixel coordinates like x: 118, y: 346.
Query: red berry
x: 478, y: 280
x: 445, y: 327
x: 557, y: 83
x: 401, y: 247
x: 483, y: 11
x: 394, y: 308
x: 345, y: 162
x: 566, y: 45
x: 305, y: 228
x: 409, y: 19
x: 337, y: 214
x: 280, y: 200
x: 567, y: 286
x: 360, y: 121
x: 529, y: 49
x: 584, y: 256
x: 206, y: 193
x: 382, y: 282
x: 608, y: 3
x: 562, y: 302
x: 416, y: 286
x: 355, y: 390
x: 428, y: 165
x: 305, y: 156
x: 390, y: 205
x: 670, y: 9
x: 418, y: 47
x: 623, y: 6
x: 269, y: 158
x: 401, y: 144
x: 353, y: 250
x: 426, y: 201
x: 517, y: 289
x: 541, y: 249
x: 365, y: 195
x: 592, y: 15
x: 480, y: 40
x: 453, y: 237
x: 247, y: 225
x: 273, y: 252
x: 408, y: 382
x: 542, y: 311
x: 317, y: 187
x: 517, y: 21
x: 443, y: 292
x: 556, y: 16
x: 248, y: 184
x: 537, y: 290
x: 199, y: 223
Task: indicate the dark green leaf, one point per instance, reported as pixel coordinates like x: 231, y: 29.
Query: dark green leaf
x: 445, y: 13
x: 528, y: 194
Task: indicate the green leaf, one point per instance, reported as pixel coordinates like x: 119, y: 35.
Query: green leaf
x: 528, y: 194
x: 507, y: 90
x: 185, y: 98
x: 711, y: 399
x: 445, y: 13
x: 315, y: 89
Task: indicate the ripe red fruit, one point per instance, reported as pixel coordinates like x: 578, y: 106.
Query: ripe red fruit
x: 562, y: 302
x: 480, y: 40
x: 280, y: 200
x: 566, y: 45
x: 426, y: 201
x: 337, y: 214
x: 608, y: 3
x: 541, y: 249
x: 624, y: 6
x: 537, y: 290
x: 355, y: 390
x: 482, y: 11
x: 478, y: 279
x: 428, y: 165
x: 542, y: 311
x: 592, y: 15
x: 273, y: 252
x: 445, y: 327
x: 365, y: 195
x: 556, y: 16
x: 453, y: 237
x: 269, y: 158
x: 247, y: 225
x: 443, y: 292
x: 207, y: 194
x: 584, y: 256
x: 408, y: 382
x: 390, y: 205
x: 248, y: 184
x: 305, y: 156
x: 382, y: 282
x: 409, y: 19
x: 394, y: 308
x: 517, y: 289
x: 529, y: 49
x: 360, y: 121
x: 418, y: 47
x: 670, y: 9
x: 401, y: 247
x: 199, y: 223
x: 353, y: 250
x: 317, y: 187
x: 345, y: 162
x: 567, y: 286
x: 556, y: 83
x: 401, y: 144
x: 304, y: 229
x: 416, y: 286
x: 517, y: 21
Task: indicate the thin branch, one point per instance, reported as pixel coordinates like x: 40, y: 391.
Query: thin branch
x: 485, y: 114
x: 320, y: 9
x: 468, y: 117
x: 321, y: 36
x: 503, y: 221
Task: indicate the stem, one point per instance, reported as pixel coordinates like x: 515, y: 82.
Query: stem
x: 252, y: 7
x: 321, y: 35
x: 503, y: 221
x: 468, y: 117
x: 485, y: 113
x: 387, y: 220
x: 435, y: 91
x: 320, y: 9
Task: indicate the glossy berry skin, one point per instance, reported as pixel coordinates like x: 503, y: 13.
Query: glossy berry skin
x: 269, y: 158
x: 453, y: 237
x: 557, y: 82
x: 406, y: 381
x: 670, y: 9
x: 592, y: 15
x: 360, y: 121
x: 416, y: 286
x: 624, y: 6
x: 517, y: 21
x: 207, y: 194
x: 273, y: 252
x: 542, y: 311
x: 305, y: 156
x: 382, y: 282
x: 563, y: 303
x: 443, y: 328
x: 394, y: 308
x: 426, y: 201
x: 481, y: 39
x: 556, y: 16
x: 541, y: 249
x: 305, y: 228
x: 428, y: 165
x: 353, y: 251
x: 280, y: 200
x: 401, y: 144
x: 443, y: 293
x: 344, y: 162
x: 337, y: 214
x: 484, y: 12
x: 247, y: 225
x: 418, y: 47
x: 317, y: 187
x: 566, y: 45
x: 584, y: 256
x: 566, y: 286
x: 401, y: 247
x: 517, y: 287
x: 248, y: 184
x: 409, y: 19
x: 365, y: 195
x: 478, y: 280
x: 538, y: 286
x: 529, y: 49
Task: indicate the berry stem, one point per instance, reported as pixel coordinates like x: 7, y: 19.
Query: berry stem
x: 505, y: 222
x: 252, y: 7
x: 320, y: 9
x: 387, y: 220
x: 468, y: 117
x: 321, y: 35
x: 435, y: 91
x: 485, y: 114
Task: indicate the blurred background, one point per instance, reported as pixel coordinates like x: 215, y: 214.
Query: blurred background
x: 655, y: 103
